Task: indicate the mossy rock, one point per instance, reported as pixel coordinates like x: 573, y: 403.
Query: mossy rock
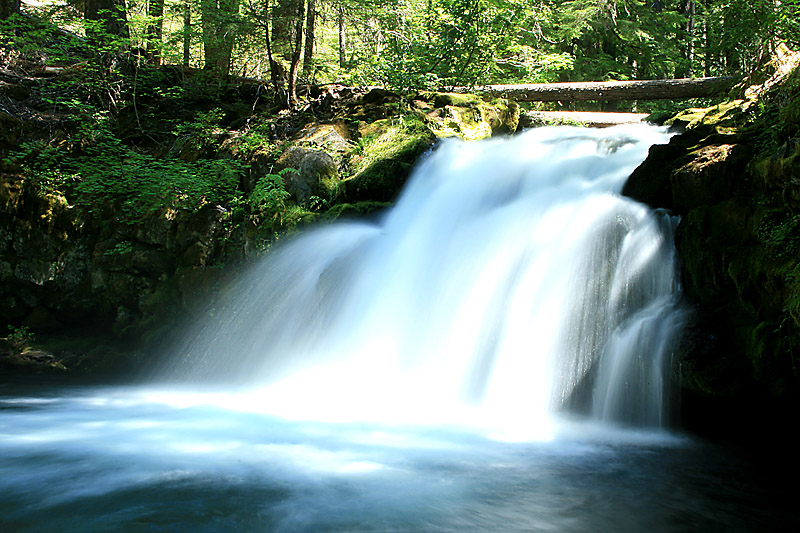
x: 650, y: 182
x: 708, y: 173
x: 388, y: 151
x: 356, y: 210
x: 781, y: 170
x: 454, y: 99
x: 725, y: 119
x: 469, y: 117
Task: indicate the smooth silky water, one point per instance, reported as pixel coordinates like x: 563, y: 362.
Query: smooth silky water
x: 495, y: 353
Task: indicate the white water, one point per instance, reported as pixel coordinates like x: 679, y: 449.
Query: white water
x: 510, y: 282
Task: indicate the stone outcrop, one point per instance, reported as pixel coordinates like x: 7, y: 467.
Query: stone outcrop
x: 63, y: 269
x: 733, y: 177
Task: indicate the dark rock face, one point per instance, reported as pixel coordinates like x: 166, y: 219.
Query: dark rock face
x: 61, y: 268
x: 739, y: 243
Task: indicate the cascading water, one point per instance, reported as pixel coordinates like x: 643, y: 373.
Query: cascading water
x: 405, y: 376
x: 510, y: 281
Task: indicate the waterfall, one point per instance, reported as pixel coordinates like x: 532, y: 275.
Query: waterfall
x: 510, y: 282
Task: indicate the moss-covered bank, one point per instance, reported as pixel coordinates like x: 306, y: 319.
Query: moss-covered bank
x: 733, y: 176
x: 112, y: 228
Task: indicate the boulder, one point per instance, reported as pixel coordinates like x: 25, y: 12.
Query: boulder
x: 467, y: 116
x: 315, y: 174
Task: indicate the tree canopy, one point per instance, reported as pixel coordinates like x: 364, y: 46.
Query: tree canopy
x: 435, y: 43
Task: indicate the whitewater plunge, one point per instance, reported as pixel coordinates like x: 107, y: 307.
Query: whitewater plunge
x: 411, y: 375
x: 510, y: 282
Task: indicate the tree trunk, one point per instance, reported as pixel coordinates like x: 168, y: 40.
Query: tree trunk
x: 277, y: 74
x: 105, y: 19
x: 298, y: 41
x: 308, y: 55
x: 155, y: 30
x: 608, y: 90
x: 706, y: 53
x: 266, y: 18
x: 8, y: 8
x: 342, y: 36
x: 688, y: 30
x: 284, y: 14
x: 187, y: 32
x: 218, y: 34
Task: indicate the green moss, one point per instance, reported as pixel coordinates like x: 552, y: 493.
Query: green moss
x: 471, y: 118
x: 451, y: 99
x: 356, y: 210
x: 386, y: 153
x: 779, y: 231
x: 464, y: 122
x: 389, y: 139
x: 725, y: 118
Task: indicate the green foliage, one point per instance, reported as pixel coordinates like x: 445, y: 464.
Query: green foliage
x: 270, y: 194
x: 31, y: 39
x: 257, y: 139
x: 19, y: 337
x: 315, y: 203
x: 203, y: 127
x: 99, y: 173
x: 121, y: 248
x: 780, y: 231
x: 425, y: 44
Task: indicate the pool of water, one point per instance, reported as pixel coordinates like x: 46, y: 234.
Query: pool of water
x: 129, y: 458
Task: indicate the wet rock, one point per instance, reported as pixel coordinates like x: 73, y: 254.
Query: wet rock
x: 739, y: 245
x: 42, y: 320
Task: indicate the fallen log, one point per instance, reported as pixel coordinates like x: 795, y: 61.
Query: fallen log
x: 676, y: 89
x: 595, y: 119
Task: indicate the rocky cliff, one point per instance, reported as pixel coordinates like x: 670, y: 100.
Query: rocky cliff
x: 733, y: 176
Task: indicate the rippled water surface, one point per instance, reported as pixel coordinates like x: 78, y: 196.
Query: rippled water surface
x: 134, y: 459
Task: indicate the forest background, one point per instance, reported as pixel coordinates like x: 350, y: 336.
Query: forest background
x: 414, y: 44
x: 145, y: 143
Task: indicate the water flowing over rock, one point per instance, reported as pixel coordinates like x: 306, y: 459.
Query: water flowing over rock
x: 510, y: 281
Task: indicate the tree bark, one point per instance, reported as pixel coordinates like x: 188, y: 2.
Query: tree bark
x: 8, y: 8
x: 155, y: 30
x: 608, y: 90
x: 342, y: 36
x: 308, y: 54
x: 218, y: 33
x: 296, y: 49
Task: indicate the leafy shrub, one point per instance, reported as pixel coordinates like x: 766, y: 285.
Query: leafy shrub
x: 98, y: 171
